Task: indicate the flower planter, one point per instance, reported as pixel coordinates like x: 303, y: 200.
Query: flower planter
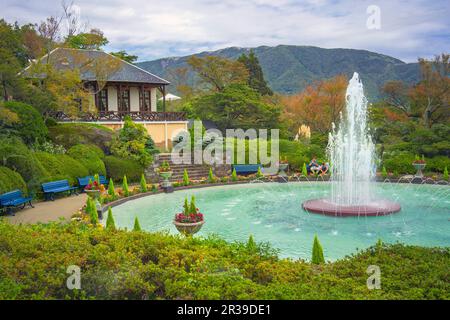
x: 94, y: 194
x: 188, y: 228
x: 419, y: 167
x: 166, y: 184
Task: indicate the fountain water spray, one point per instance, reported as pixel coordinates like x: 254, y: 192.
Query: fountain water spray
x: 352, y: 155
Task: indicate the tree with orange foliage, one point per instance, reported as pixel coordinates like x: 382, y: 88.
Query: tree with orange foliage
x: 318, y: 106
x: 429, y: 99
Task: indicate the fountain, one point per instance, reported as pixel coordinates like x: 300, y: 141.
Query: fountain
x: 353, y: 169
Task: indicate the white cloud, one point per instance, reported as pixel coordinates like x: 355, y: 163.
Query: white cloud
x: 159, y: 28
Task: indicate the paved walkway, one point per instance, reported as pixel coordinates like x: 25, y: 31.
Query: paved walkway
x: 47, y: 211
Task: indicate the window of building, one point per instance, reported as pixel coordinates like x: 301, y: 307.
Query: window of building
x: 145, y: 100
x: 103, y: 100
x: 124, y: 104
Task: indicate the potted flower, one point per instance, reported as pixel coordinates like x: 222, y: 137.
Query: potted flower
x: 419, y: 164
x: 94, y: 189
x: 189, y: 221
x: 165, y: 172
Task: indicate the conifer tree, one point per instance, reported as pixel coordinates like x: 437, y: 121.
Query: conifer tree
x: 143, y: 184
x: 256, y: 76
x: 137, y: 226
x: 126, y: 191
x: 317, y: 252
x: 110, y: 225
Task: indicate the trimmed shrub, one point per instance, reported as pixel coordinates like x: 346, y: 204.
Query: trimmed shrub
x: 91, y: 211
x: 137, y: 226
x: 445, y: 175
x: 11, y: 180
x: 116, y: 168
x: 186, y: 180
x: 211, y: 177
x: 126, y: 191
x: 317, y: 252
x: 384, y: 173
x: 31, y: 126
x: 61, y: 166
x: 90, y: 156
x: 304, y: 170
x: 234, y: 175
x: 259, y: 173
x: 16, y: 156
x: 143, y: 184
x: 71, y: 134
x: 111, y: 189
x: 110, y: 225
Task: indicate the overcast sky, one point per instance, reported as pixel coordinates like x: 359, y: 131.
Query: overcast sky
x: 155, y: 29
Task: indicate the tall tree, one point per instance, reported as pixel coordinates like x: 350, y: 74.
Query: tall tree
x: 427, y: 100
x: 216, y: 72
x: 92, y: 40
x: 256, y: 76
x: 318, y: 106
x: 433, y: 92
x: 236, y: 106
x: 12, y: 58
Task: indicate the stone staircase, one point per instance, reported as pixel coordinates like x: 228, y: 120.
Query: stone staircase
x: 195, y: 171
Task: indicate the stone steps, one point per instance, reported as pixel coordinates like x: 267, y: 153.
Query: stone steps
x: 195, y: 171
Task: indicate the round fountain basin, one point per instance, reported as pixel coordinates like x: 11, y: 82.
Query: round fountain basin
x: 373, y: 209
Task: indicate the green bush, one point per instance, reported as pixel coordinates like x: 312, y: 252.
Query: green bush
x: 116, y: 168
x: 89, y: 156
x: 162, y: 266
x: 31, y: 126
x: 71, y: 134
x: 437, y: 164
x: 15, y: 155
x: 400, y: 162
x: 297, y: 153
x: 133, y: 142
x: 62, y: 166
x: 11, y: 180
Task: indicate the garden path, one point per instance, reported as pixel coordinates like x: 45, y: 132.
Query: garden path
x: 47, y: 211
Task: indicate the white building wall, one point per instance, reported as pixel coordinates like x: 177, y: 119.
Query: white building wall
x: 112, y: 98
x: 134, y: 99
x: 153, y: 99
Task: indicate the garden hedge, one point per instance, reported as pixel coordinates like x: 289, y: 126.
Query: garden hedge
x: 61, y: 166
x: 139, y: 265
x: 11, y: 180
x: 19, y: 158
x: 90, y: 156
x: 31, y: 126
x: 71, y: 134
x: 116, y: 168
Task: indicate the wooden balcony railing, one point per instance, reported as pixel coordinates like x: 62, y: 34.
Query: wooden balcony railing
x: 112, y: 116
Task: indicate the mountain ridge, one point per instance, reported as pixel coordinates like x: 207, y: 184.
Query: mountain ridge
x: 289, y: 69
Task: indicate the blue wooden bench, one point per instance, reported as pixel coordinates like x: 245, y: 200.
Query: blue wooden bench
x: 14, y: 199
x: 84, y: 181
x: 50, y: 188
x: 244, y: 169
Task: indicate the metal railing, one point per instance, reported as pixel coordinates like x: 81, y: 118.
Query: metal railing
x: 113, y: 116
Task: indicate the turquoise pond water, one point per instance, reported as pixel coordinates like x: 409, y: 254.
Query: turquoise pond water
x: 272, y: 213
